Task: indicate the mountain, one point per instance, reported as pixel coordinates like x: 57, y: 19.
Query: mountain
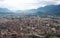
x: 50, y: 10
x: 5, y: 11
x: 53, y: 10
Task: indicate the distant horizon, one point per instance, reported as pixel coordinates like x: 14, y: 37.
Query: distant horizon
x: 26, y: 4
x: 23, y: 10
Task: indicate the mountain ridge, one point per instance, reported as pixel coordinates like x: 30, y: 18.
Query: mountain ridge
x: 47, y: 10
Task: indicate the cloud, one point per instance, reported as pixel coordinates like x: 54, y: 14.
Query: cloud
x: 26, y: 4
x: 49, y: 2
x: 1, y: 0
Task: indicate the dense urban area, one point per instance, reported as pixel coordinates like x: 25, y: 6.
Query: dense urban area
x: 15, y: 26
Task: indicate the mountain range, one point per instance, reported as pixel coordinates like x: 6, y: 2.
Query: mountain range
x: 47, y: 10
x: 50, y: 10
x: 5, y: 11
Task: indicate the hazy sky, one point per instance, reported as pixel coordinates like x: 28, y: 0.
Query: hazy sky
x: 26, y: 4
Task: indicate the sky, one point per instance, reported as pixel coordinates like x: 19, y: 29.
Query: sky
x: 26, y: 4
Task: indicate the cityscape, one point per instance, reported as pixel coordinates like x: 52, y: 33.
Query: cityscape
x: 29, y: 18
x: 25, y: 27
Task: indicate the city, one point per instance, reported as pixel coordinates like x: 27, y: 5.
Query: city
x: 29, y: 18
x: 26, y: 27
